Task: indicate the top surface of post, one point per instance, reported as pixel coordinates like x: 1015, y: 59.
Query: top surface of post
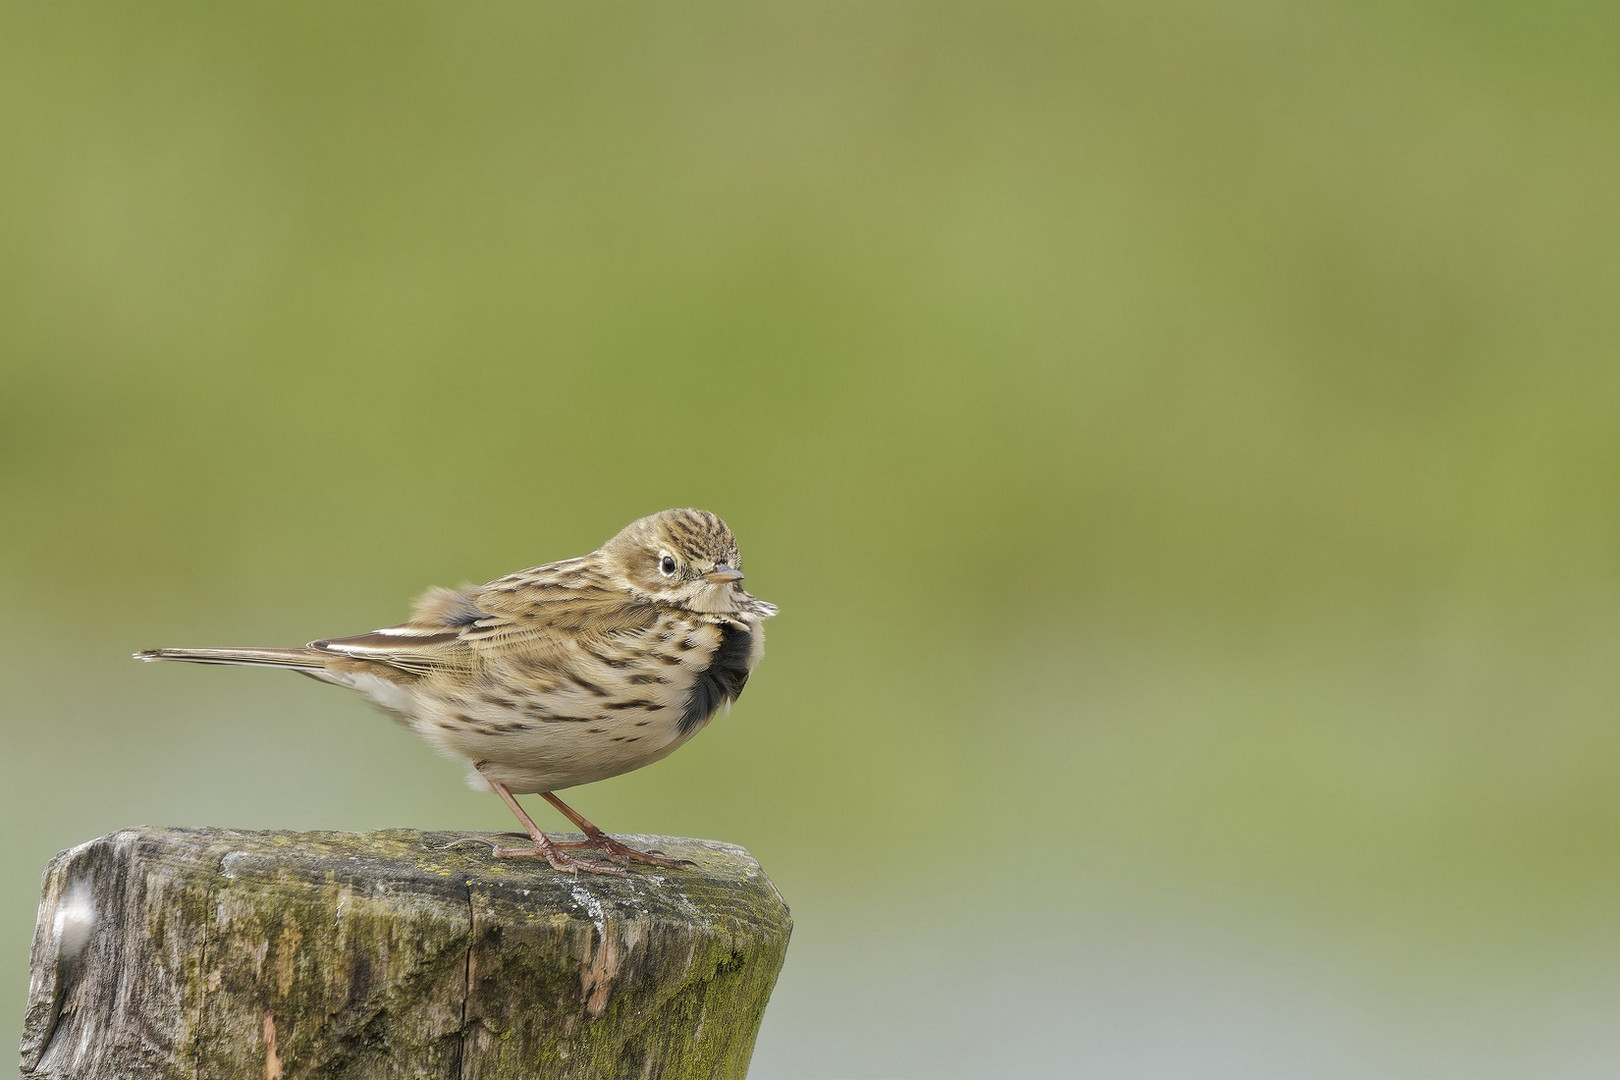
x: 449, y: 863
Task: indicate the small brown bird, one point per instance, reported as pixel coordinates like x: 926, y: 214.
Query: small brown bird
x: 561, y: 674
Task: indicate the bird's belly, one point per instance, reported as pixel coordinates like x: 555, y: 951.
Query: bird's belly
x: 544, y: 723
x: 549, y: 755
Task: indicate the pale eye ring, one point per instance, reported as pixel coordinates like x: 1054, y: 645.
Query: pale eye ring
x: 666, y: 565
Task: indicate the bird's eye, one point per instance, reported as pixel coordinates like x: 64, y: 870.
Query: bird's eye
x: 666, y: 566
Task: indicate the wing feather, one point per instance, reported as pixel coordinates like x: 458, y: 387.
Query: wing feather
x: 548, y: 612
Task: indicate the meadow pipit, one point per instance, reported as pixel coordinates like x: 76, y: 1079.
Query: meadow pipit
x: 561, y: 674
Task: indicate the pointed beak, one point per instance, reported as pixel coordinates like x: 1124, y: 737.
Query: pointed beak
x: 722, y: 574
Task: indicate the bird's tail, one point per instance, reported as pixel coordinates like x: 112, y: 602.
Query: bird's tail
x: 297, y: 659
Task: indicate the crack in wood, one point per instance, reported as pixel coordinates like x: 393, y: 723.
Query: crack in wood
x: 466, y: 995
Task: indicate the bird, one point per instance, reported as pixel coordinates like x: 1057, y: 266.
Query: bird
x: 561, y: 674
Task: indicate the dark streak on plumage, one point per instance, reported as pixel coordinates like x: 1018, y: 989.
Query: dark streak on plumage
x: 585, y: 684
x: 638, y: 703
x: 722, y: 681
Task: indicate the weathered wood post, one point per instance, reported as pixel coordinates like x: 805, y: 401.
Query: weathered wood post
x: 213, y: 954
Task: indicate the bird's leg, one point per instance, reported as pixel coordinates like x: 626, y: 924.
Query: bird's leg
x: 543, y: 845
x: 597, y: 840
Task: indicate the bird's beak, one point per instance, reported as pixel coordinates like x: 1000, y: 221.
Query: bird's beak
x: 722, y: 574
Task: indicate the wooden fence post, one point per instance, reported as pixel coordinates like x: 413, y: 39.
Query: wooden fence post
x: 214, y: 954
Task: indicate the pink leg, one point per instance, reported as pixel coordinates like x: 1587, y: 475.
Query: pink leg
x: 543, y: 845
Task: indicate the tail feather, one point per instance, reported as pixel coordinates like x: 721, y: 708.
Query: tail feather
x: 298, y: 659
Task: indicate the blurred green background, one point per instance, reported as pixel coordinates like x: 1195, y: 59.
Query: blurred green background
x: 1183, y: 440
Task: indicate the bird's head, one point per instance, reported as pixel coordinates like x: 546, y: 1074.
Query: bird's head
x: 686, y: 558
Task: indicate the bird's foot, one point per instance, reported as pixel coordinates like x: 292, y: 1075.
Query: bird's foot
x: 601, y: 841
x: 558, y: 858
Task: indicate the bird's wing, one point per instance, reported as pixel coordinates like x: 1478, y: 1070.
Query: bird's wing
x: 550, y: 610
x: 430, y: 641
x: 554, y: 620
